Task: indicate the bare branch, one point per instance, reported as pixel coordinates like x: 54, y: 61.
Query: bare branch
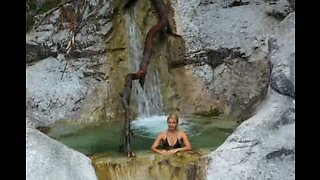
x: 45, y: 15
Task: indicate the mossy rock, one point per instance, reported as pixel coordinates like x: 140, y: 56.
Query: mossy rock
x: 213, y: 112
x: 44, y: 129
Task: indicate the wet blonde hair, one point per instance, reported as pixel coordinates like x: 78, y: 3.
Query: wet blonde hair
x: 173, y: 115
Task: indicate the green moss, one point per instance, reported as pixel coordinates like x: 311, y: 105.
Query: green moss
x: 36, y: 7
x: 29, y: 22
x: 98, y: 113
x: 44, y: 129
x: 213, y: 112
x: 40, y: 7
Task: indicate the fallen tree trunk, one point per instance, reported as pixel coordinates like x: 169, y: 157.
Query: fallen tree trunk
x: 161, y: 26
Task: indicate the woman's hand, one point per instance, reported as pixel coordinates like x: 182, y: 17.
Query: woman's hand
x: 172, y: 151
x: 164, y: 152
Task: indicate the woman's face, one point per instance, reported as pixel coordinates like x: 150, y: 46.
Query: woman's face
x: 172, y: 123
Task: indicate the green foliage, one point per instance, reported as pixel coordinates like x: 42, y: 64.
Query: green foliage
x: 36, y: 7
x: 42, y: 6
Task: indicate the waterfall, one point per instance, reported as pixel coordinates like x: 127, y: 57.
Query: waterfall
x: 149, y: 100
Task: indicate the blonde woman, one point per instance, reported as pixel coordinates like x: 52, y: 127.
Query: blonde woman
x: 172, y: 140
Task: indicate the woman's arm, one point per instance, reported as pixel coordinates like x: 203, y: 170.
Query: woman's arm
x: 156, y: 144
x: 186, y: 142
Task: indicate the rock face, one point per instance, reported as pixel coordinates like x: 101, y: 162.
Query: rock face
x: 84, y: 83
x: 49, y: 159
x: 181, y: 166
x: 234, y: 55
x: 282, y: 55
x: 59, y: 82
x: 263, y: 147
x: 226, y: 54
x: 223, y: 54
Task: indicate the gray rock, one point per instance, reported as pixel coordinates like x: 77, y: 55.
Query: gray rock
x: 292, y: 4
x: 287, y: 118
x: 32, y: 122
x: 35, y: 52
x: 59, y: 84
x: 281, y: 44
x: 252, y: 151
x: 48, y: 159
x: 215, y: 25
x: 231, y: 37
x: 263, y: 147
x: 282, y: 84
x: 279, y: 9
x: 49, y: 96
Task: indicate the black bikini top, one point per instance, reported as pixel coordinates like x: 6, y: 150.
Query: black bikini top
x: 166, y: 144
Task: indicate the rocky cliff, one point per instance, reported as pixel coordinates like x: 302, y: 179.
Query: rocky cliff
x: 236, y: 59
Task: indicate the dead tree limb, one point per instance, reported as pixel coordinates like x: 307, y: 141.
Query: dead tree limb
x: 161, y: 26
x: 51, y: 11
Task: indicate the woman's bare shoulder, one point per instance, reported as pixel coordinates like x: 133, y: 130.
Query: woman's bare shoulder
x: 163, y: 133
x: 182, y: 132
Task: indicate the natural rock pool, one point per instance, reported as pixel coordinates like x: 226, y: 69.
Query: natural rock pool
x: 104, y: 137
x: 100, y: 142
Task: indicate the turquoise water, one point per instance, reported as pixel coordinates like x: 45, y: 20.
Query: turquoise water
x: 104, y: 137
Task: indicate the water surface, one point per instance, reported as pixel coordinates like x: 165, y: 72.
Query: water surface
x: 104, y: 137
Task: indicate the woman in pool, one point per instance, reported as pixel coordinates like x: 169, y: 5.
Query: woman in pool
x: 172, y: 140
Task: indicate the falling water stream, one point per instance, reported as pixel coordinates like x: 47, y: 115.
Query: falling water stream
x: 149, y: 99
